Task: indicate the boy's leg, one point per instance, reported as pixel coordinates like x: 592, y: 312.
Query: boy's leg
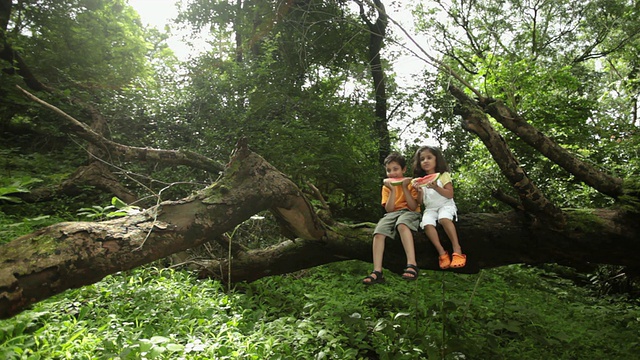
x: 378, y: 251
x: 407, y: 242
x: 409, y: 222
x: 410, y: 273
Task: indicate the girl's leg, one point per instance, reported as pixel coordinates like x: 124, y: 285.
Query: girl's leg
x: 450, y: 229
x: 458, y: 259
x: 407, y: 242
x: 432, y: 234
x: 443, y: 257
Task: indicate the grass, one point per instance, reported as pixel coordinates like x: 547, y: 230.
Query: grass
x: 513, y: 312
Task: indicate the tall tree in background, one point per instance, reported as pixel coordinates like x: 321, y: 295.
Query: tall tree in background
x: 301, y: 79
x: 377, y: 32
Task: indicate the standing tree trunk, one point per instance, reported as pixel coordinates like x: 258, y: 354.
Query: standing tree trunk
x: 377, y: 32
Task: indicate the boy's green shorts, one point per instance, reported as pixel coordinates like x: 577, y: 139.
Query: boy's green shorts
x: 388, y: 224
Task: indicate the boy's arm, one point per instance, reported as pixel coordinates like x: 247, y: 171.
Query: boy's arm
x: 390, y: 205
x: 412, y: 203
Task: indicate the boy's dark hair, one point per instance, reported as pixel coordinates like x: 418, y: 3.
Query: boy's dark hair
x: 397, y: 157
x: 441, y: 163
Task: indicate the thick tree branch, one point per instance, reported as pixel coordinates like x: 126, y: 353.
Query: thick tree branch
x: 475, y: 120
x: 489, y: 240
x: 67, y: 255
x: 94, y: 174
x: 19, y: 66
x: 499, y: 195
x: 583, y: 171
x: 171, y: 157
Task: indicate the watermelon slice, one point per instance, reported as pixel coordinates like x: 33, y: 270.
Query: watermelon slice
x: 425, y: 180
x: 396, y: 181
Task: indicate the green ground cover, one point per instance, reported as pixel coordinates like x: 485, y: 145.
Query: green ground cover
x: 513, y: 312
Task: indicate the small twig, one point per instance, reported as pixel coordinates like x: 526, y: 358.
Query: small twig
x: 318, y: 195
x: 473, y: 294
x: 437, y: 63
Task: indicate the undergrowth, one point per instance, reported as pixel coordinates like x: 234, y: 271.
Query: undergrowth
x: 513, y: 312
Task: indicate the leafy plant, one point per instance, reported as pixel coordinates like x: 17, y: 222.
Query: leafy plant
x: 17, y: 186
x: 118, y: 208
x: 513, y: 312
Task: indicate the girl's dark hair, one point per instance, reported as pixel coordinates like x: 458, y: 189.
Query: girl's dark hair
x: 441, y: 163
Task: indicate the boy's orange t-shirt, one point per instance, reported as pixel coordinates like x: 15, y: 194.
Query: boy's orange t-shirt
x: 401, y: 202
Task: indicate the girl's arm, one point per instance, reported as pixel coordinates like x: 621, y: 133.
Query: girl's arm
x: 420, y: 192
x: 446, y: 190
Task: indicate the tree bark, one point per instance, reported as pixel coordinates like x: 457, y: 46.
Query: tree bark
x: 475, y: 120
x: 377, y: 32
x: 489, y: 240
x: 68, y: 255
x: 73, y: 254
x: 582, y: 170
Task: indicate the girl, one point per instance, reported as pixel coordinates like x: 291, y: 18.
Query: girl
x: 437, y: 197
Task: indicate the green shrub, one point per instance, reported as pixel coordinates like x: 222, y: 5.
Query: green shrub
x: 513, y: 312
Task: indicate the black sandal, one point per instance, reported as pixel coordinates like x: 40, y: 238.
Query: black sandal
x: 411, y: 270
x: 379, y: 279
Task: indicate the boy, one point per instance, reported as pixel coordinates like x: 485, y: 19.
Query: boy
x: 402, y: 216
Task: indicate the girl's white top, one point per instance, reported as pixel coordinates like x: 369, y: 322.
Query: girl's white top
x: 431, y: 199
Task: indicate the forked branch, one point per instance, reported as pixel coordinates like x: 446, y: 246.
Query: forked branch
x: 475, y: 120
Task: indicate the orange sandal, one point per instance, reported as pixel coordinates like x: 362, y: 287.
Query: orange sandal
x: 458, y: 260
x: 444, y: 260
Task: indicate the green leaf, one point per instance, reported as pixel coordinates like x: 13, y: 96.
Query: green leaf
x: 175, y: 347
x: 119, y: 204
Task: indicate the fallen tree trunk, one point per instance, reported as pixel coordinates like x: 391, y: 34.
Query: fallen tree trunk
x: 94, y: 174
x: 69, y: 255
x: 489, y: 240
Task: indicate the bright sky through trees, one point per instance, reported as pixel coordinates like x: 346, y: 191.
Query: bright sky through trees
x: 159, y: 13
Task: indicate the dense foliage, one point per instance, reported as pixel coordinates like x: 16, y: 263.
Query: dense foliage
x: 571, y: 70
x: 293, y: 78
x: 509, y: 313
